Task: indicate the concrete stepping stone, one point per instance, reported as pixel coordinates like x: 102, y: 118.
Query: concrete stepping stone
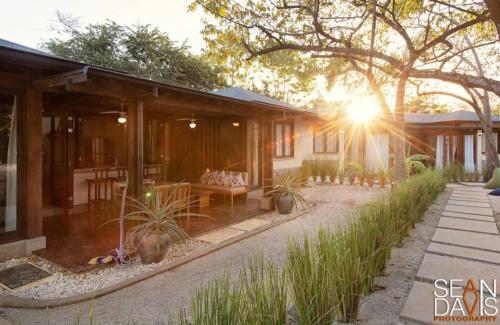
x: 250, y: 224
x: 220, y: 235
x: 435, y: 267
x: 474, y: 184
x: 469, y: 210
x: 470, y: 253
x: 474, y: 195
x: 469, y: 199
x: 469, y: 203
x: 467, y: 216
x: 419, y: 307
x: 467, y: 239
x: 468, y: 225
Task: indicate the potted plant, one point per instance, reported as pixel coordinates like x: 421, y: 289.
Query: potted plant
x: 362, y: 175
x: 390, y: 177
x: 286, y: 191
x: 332, y: 170
x: 326, y: 171
x: 323, y: 169
x: 307, y: 170
x: 156, y: 226
x: 476, y: 176
x: 351, y: 170
x: 315, y: 170
x: 370, y: 178
x: 382, y: 178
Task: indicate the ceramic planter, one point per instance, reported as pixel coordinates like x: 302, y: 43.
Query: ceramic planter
x: 153, y: 248
x: 285, y: 204
x: 318, y: 179
x: 328, y: 180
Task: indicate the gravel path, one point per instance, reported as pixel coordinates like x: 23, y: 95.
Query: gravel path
x: 384, y: 306
x: 150, y: 301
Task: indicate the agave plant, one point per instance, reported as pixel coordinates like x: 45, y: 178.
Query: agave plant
x: 288, y: 185
x: 155, y: 224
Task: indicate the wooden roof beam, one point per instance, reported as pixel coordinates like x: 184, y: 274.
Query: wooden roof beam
x: 62, y: 79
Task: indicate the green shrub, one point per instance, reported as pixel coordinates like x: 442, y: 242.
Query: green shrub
x: 415, y: 167
x: 310, y: 283
x: 454, y: 172
x: 264, y: 292
x: 419, y: 157
x: 219, y: 302
x: 307, y: 167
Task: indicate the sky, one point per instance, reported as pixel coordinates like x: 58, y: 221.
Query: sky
x: 29, y: 22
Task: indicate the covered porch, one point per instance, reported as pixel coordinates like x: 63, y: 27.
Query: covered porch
x: 102, y: 128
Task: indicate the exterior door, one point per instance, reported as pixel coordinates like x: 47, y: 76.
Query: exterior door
x: 61, y: 161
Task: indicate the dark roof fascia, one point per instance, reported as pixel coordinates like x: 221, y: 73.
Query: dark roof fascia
x: 117, y: 75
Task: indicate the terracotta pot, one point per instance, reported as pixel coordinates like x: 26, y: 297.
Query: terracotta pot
x: 370, y: 180
x: 382, y: 182
x: 153, y: 248
x: 285, y: 204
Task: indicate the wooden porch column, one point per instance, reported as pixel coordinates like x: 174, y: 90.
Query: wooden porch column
x: 32, y: 153
x: 267, y: 152
x: 135, y: 139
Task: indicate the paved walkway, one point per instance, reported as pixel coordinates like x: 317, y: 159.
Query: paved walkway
x: 465, y: 245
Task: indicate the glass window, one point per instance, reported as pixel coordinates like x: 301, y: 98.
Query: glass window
x: 283, y: 139
x: 325, y: 141
x: 331, y: 141
x: 279, y: 140
x: 8, y: 164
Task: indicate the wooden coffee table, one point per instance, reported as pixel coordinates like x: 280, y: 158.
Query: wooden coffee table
x: 203, y: 197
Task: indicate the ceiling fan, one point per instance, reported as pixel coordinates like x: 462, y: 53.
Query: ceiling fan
x: 192, y: 120
x: 122, y: 115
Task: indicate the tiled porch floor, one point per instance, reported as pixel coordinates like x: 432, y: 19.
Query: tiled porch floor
x: 72, y: 240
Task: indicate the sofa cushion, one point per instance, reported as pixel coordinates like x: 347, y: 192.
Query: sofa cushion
x: 220, y: 189
x: 237, y: 180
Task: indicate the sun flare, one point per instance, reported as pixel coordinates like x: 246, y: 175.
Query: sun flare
x: 363, y: 110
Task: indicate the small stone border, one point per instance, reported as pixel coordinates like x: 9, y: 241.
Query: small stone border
x: 10, y: 301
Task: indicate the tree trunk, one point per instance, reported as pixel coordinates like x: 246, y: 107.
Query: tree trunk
x: 399, y: 132
x: 492, y: 161
x: 494, y: 9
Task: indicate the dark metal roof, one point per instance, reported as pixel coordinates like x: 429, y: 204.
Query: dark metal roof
x: 234, y: 94
x: 250, y: 96
x: 456, y: 116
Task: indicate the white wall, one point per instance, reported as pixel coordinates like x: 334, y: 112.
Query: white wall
x: 303, y: 146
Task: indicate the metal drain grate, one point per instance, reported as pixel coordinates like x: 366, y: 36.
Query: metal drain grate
x: 22, y: 276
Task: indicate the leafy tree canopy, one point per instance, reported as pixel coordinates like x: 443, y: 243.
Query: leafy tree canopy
x: 141, y: 50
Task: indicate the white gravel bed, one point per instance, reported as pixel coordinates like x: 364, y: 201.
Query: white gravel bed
x: 66, y: 284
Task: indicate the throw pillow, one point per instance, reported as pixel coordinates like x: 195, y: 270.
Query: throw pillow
x: 212, y: 178
x: 239, y: 181
x: 494, y: 182
x: 495, y: 192
x: 226, y: 180
x: 219, y: 178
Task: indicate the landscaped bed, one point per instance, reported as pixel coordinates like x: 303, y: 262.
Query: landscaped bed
x: 66, y: 284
